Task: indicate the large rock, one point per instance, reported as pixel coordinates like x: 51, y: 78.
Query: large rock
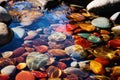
x: 4, y: 16
x: 6, y: 34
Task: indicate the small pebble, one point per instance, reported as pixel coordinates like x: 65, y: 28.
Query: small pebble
x: 8, y: 70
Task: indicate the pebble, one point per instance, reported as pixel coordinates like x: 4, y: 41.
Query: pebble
x: 57, y: 53
x: 94, y: 39
x: 36, y: 60
x: 115, y: 17
x: 25, y: 75
x: 32, y: 33
x: 19, y: 32
x: 8, y: 70
x: 101, y: 22
x: 53, y: 72
x: 116, y: 30
x: 57, y: 36
x: 78, y: 72
x: 7, y: 54
x: 75, y: 51
x: 74, y: 64
x: 5, y: 62
x: 41, y: 48
x: 87, y: 27
x: 84, y: 35
x: 96, y: 67
x: 21, y: 66
x: 18, y: 52
x: 76, y: 17
x: 62, y: 45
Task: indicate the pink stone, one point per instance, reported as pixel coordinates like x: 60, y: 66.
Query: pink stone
x: 18, y: 52
x: 41, y: 48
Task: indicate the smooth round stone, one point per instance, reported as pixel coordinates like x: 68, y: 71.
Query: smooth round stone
x: 6, y: 34
x: 36, y: 60
x: 101, y: 22
x: 7, y: 54
x: 94, y: 39
x: 74, y: 64
x: 19, y: 32
x: 84, y: 35
x: 75, y: 51
x: 77, y: 71
x: 57, y: 52
x: 57, y: 36
x: 116, y: 30
x: 24, y: 75
x: 8, y: 70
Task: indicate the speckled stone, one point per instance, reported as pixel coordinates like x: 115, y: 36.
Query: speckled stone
x: 57, y: 36
x: 36, y: 60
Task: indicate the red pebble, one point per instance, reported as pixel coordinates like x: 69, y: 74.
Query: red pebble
x: 61, y: 65
x: 102, y: 60
x: 115, y: 43
x: 70, y: 27
x: 4, y: 77
x: 83, y: 42
x: 39, y: 74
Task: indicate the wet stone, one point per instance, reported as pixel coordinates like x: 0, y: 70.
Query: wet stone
x: 94, y: 39
x: 8, y: 70
x: 7, y: 54
x: 101, y: 22
x: 57, y: 36
x: 75, y: 51
x: 36, y: 60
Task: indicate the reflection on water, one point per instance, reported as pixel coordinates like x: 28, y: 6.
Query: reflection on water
x: 55, y: 17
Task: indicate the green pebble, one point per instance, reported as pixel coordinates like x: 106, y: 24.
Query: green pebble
x: 84, y: 35
x: 94, y: 39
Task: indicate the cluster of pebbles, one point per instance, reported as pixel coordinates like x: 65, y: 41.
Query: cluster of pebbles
x: 75, y: 46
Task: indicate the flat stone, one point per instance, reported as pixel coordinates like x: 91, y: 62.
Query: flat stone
x: 101, y: 22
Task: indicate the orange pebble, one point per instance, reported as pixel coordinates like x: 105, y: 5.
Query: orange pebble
x: 25, y: 75
x: 102, y: 60
x: 96, y: 67
x: 118, y: 78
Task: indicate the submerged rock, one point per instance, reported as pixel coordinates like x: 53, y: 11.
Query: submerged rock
x: 8, y: 70
x: 36, y: 60
x: 57, y: 36
x: 19, y: 32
